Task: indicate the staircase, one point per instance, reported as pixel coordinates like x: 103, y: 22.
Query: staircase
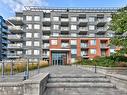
x: 72, y: 84
x: 79, y: 81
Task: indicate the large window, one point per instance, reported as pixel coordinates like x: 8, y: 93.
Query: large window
x: 28, y: 52
x: 36, y: 35
x: 73, y: 27
x: 36, y: 52
x: 53, y: 42
x: 73, y: 42
x: 55, y: 18
x: 36, y: 43
x: 29, y: 26
x: 28, y: 35
x: 36, y: 26
x: 91, y: 27
x: 92, y: 42
x: 73, y: 51
x: 92, y: 51
x: 28, y: 43
x: 36, y: 18
x: 56, y: 27
x: 28, y: 18
x: 73, y: 19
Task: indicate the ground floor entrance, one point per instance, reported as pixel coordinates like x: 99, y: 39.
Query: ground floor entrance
x: 59, y: 58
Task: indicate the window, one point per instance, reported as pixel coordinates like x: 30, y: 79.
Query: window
x: 92, y: 42
x: 28, y: 52
x: 28, y: 18
x: 28, y: 35
x: 91, y: 19
x: 91, y: 27
x: 73, y: 27
x: 53, y: 42
x: 29, y: 26
x: 92, y: 51
x: 73, y: 42
x: 36, y: 43
x: 56, y: 27
x: 36, y: 26
x: 36, y: 52
x: 36, y: 18
x: 73, y: 51
x: 36, y: 35
x: 28, y: 43
x: 55, y: 18
x: 73, y: 19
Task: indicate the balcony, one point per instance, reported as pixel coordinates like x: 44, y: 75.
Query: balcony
x: 101, y: 30
x: 45, y: 55
x: 101, y: 21
x: 15, y: 29
x: 14, y: 46
x: 13, y: 55
x: 15, y: 37
x: 65, y: 45
x: 83, y: 28
x: 84, y: 45
x: 16, y: 20
x: 46, y: 19
x: 83, y: 20
x: 45, y: 37
x: 5, y: 30
x: 64, y: 28
x: 46, y: 28
x: 64, y: 19
x: 84, y: 54
x: 104, y: 46
x: 45, y: 46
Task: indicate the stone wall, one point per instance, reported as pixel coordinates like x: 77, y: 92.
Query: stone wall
x: 32, y: 86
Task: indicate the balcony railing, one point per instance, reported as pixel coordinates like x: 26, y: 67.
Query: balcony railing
x: 64, y: 28
x: 101, y: 20
x: 46, y: 19
x: 14, y: 46
x: 83, y: 28
x: 64, y: 45
x: 103, y: 45
x: 64, y: 19
x: 46, y: 28
x: 16, y: 18
x: 14, y: 37
x: 84, y: 45
x: 13, y: 55
x: 45, y: 37
x: 15, y: 28
x: 83, y: 20
x: 46, y: 46
x: 101, y: 29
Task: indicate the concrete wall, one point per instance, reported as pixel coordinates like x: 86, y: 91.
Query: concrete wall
x: 33, y: 86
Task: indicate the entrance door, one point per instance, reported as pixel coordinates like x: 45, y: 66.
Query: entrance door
x: 59, y: 58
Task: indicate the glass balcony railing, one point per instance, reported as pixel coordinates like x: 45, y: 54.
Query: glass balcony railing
x: 103, y: 45
x: 65, y: 45
x: 46, y: 19
x: 16, y: 18
x: 14, y: 37
x: 14, y: 46
x: 83, y: 28
x: 84, y: 45
x: 83, y: 20
x: 46, y: 28
x: 64, y: 19
x: 64, y: 28
x: 15, y: 28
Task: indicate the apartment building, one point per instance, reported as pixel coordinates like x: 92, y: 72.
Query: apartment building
x: 3, y: 38
x: 16, y: 37
x: 61, y: 35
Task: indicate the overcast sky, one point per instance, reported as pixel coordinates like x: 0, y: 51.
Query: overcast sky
x: 8, y: 7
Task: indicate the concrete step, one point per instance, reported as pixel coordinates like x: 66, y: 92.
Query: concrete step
x: 80, y: 85
x: 98, y: 80
x: 77, y: 76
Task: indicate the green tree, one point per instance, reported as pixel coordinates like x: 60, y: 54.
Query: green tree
x: 119, y: 25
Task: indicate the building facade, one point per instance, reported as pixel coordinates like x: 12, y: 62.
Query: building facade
x: 3, y: 39
x: 61, y: 35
